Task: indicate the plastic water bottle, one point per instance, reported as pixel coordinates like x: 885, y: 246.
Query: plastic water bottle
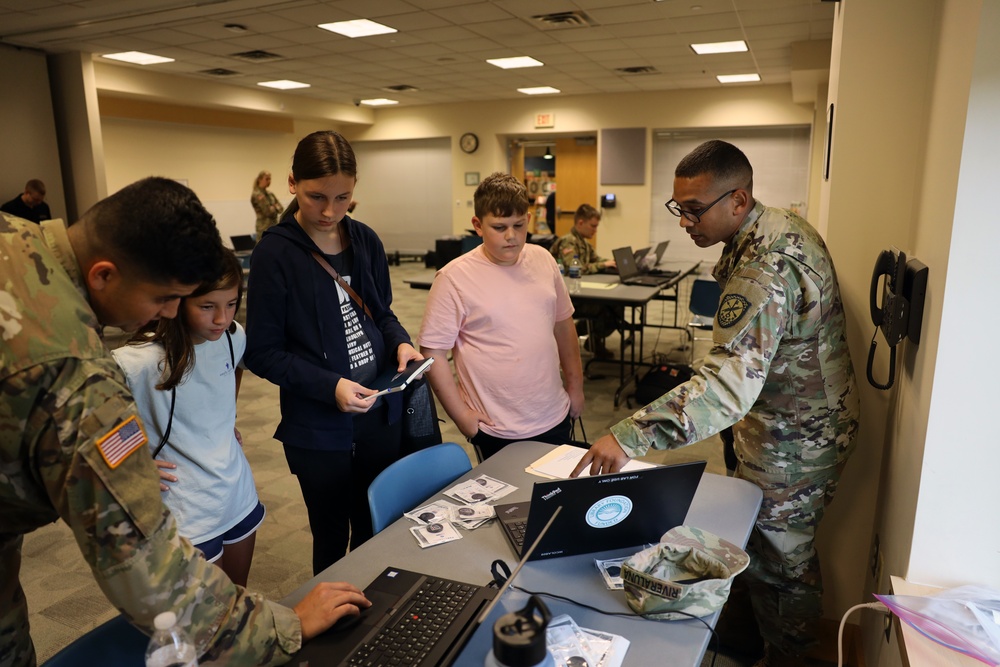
x: 575, y: 271
x: 170, y: 646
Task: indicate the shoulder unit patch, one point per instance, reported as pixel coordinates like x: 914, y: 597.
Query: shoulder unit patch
x: 732, y: 308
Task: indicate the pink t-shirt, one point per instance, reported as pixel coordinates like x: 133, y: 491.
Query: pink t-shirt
x: 499, y: 321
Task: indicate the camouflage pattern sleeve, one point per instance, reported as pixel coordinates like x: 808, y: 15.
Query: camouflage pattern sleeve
x: 90, y: 452
x: 566, y: 246
x: 749, y: 326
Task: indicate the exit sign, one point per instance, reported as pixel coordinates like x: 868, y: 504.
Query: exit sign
x: 545, y: 120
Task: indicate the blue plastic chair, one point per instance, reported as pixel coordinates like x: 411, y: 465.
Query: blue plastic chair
x: 117, y: 643
x: 412, y: 479
x: 705, y: 294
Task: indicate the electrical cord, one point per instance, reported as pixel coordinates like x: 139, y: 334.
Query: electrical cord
x: 878, y: 606
x: 500, y: 573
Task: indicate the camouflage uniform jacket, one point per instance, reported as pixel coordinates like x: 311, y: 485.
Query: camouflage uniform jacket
x: 267, y: 207
x: 779, y: 369
x: 71, y: 446
x: 573, y: 244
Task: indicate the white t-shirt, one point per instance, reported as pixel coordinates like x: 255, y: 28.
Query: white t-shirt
x: 214, y: 487
x: 500, y: 322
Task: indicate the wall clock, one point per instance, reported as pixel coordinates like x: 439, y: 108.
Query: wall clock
x: 469, y: 142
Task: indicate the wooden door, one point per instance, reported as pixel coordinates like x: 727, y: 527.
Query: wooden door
x: 576, y: 180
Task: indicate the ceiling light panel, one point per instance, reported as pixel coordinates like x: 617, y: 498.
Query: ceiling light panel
x: 379, y: 102
x: 539, y: 90
x: 283, y: 84
x: 138, y: 58
x: 357, y: 28
x: 515, y: 62
x: 738, y: 78
x: 719, y: 47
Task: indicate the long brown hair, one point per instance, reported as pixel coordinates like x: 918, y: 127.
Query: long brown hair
x: 321, y: 154
x: 174, y: 335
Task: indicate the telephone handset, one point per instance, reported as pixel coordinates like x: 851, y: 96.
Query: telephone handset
x: 893, y: 315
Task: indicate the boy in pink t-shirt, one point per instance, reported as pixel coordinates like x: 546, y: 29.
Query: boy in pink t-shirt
x: 503, y: 311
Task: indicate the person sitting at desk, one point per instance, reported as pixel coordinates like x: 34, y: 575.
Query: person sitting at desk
x: 603, y: 319
x: 29, y: 205
x: 779, y: 372
x: 504, y: 312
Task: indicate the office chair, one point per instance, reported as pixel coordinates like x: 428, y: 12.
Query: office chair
x: 116, y: 642
x: 705, y: 293
x: 412, y: 479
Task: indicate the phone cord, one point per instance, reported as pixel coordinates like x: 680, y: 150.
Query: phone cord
x: 871, y: 362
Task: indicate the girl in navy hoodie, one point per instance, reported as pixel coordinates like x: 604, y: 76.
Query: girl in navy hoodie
x: 323, y: 345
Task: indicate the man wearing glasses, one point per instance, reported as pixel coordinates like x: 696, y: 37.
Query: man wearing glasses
x: 779, y: 372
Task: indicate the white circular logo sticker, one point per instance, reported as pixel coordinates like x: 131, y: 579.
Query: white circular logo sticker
x: 609, y: 511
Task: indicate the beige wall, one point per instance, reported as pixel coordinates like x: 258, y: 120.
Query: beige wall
x: 916, y: 89
x: 493, y: 122
x: 28, y: 130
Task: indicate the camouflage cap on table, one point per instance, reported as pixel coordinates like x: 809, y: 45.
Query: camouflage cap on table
x: 690, y: 571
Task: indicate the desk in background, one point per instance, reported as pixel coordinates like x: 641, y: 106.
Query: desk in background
x: 723, y: 505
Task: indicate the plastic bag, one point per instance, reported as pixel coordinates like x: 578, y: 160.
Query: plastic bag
x: 965, y: 619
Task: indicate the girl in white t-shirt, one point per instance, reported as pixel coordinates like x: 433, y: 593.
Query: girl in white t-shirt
x: 184, y: 376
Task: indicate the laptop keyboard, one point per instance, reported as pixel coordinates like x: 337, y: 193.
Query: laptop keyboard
x: 517, y: 529
x: 414, y: 633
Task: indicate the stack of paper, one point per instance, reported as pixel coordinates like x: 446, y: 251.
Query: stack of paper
x: 559, y: 463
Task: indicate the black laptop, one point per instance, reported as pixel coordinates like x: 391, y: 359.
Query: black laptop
x: 629, y: 274
x: 435, y: 617
x: 242, y: 242
x: 415, y: 619
x: 603, y: 512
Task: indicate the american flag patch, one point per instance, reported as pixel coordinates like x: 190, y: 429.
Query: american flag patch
x: 125, y: 439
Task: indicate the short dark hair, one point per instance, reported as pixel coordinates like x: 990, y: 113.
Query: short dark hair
x: 724, y: 162
x: 35, y: 185
x: 501, y: 195
x: 586, y: 212
x: 156, y: 229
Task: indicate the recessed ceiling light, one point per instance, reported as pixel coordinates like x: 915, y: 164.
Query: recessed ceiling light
x: 238, y: 28
x: 514, y: 63
x: 138, y: 58
x: 539, y: 90
x: 283, y: 84
x: 720, y: 47
x: 379, y: 102
x: 357, y: 28
x: 738, y: 78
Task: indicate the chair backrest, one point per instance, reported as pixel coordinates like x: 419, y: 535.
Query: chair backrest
x: 705, y: 295
x: 411, y: 479
x: 116, y: 642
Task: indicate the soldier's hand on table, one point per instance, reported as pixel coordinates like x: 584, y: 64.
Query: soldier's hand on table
x: 165, y: 476
x: 326, y: 604
x: 604, y: 456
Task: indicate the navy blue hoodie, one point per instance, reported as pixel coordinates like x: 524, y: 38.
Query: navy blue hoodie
x: 295, y: 330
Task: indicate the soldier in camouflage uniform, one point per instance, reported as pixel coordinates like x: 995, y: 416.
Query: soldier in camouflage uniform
x: 265, y: 204
x: 72, y: 445
x: 603, y: 319
x: 779, y: 371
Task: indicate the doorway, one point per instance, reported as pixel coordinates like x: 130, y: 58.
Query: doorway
x: 560, y: 174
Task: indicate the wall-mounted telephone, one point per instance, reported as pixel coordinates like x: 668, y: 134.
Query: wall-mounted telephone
x: 901, y: 310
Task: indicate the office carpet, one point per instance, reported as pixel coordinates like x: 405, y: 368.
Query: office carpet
x: 64, y: 601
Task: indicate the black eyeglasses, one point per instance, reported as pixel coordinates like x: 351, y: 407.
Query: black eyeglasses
x: 695, y: 216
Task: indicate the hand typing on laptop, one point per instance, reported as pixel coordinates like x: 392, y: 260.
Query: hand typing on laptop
x: 326, y: 604
x: 604, y: 456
